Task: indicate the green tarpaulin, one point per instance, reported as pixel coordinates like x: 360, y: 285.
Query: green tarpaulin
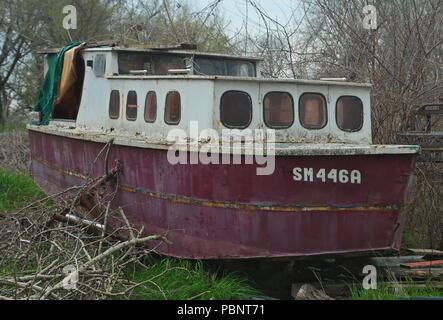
x: 48, y: 91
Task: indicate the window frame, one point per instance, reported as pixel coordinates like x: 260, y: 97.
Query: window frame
x: 180, y: 108
x: 227, y: 63
x: 156, y: 107
x: 251, y: 108
x: 326, y: 111
x: 293, y: 111
x: 99, y: 61
x: 119, y: 105
x: 127, y: 103
x: 362, y: 113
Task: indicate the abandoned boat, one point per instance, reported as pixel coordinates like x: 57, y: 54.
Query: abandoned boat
x: 305, y: 179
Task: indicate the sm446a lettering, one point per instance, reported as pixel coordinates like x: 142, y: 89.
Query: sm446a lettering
x: 327, y: 175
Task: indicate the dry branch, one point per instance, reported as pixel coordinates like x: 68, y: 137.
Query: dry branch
x: 37, y: 243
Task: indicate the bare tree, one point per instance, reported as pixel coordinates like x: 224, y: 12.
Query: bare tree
x: 17, y: 18
x: 401, y: 58
x: 168, y: 22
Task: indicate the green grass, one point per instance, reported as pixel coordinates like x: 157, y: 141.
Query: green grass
x: 16, y: 189
x: 13, y: 126
x: 175, y: 279
x: 408, y: 290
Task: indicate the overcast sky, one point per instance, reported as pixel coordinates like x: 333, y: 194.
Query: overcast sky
x: 236, y: 12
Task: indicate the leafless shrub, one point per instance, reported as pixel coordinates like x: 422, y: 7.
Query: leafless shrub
x: 14, y: 150
x: 424, y: 225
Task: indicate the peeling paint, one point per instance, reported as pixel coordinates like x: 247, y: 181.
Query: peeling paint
x: 281, y: 149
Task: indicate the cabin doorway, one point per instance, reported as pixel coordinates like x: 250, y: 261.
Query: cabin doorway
x: 70, y: 88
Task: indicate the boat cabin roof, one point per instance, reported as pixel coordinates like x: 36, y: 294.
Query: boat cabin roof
x: 184, y: 50
x: 164, y: 50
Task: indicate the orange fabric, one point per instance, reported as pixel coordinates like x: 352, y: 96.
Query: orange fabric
x: 69, y: 74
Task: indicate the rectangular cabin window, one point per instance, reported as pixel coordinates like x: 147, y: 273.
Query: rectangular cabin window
x: 114, y: 104
x: 349, y: 113
x: 131, y: 106
x: 312, y: 111
x: 278, y: 110
x: 148, y: 63
x: 100, y: 65
x: 151, y: 107
x: 223, y: 67
x: 173, y: 108
x: 236, y: 109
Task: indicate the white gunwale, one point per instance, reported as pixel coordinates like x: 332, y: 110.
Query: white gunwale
x: 281, y: 149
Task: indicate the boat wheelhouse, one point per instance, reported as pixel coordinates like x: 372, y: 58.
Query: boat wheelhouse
x: 324, y: 188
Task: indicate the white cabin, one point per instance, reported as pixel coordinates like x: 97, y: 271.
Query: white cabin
x: 148, y: 92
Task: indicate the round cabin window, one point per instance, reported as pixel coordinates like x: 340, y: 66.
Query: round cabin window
x: 173, y: 108
x: 114, y: 104
x: 312, y: 111
x: 349, y: 113
x: 131, y: 106
x: 151, y: 107
x: 278, y: 110
x: 236, y: 109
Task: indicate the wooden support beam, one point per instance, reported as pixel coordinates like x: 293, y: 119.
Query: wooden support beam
x: 423, y: 264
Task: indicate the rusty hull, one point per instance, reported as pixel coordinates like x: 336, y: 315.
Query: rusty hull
x: 227, y: 211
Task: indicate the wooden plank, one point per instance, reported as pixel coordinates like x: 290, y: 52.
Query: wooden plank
x: 394, y: 261
x: 426, y: 252
x: 420, y: 273
x: 423, y: 264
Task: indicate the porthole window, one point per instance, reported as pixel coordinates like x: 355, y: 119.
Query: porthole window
x: 151, y: 107
x: 131, y: 106
x: 173, y: 108
x: 114, y: 104
x: 236, y: 109
x: 312, y: 111
x: 278, y: 110
x: 349, y: 113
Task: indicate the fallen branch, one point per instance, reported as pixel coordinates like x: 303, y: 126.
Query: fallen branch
x: 102, y: 256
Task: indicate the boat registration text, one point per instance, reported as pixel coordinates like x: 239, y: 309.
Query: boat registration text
x: 327, y: 175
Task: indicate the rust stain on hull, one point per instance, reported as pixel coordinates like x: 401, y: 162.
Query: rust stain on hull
x: 231, y: 205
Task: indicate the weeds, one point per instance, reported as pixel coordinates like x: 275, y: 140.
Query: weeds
x: 394, y: 291
x: 188, y: 280
x: 16, y: 189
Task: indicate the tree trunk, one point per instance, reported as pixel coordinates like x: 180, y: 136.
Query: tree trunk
x: 2, y: 115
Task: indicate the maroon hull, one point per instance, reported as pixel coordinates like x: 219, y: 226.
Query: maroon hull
x: 221, y: 211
